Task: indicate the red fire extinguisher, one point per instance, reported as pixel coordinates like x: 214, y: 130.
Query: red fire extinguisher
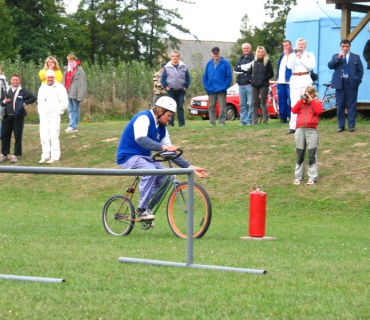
x: 257, y: 213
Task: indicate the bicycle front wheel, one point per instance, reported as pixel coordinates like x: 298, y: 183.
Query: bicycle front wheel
x: 330, y: 102
x: 118, y: 216
x: 177, y: 210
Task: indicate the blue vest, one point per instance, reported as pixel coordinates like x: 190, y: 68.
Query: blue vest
x: 128, y: 147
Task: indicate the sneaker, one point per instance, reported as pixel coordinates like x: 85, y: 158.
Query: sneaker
x: 68, y: 130
x: 44, y: 160
x: 222, y: 124
x: 144, y: 214
x: 290, y: 131
x: 3, y: 158
x: 51, y: 161
x: 74, y: 130
x: 310, y: 182
x: 13, y: 159
x: 297, y: 182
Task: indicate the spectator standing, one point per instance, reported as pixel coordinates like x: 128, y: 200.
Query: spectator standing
x: 51, y: 63
x: 14, y: 99
x: 306, y: 137
x: 216, y: 80
x: 283, y: 74
x: 158, y: 90
x: 52, y: 101
x: 147, y: 132
x: 301, y: 62
x: 245, y: 88
x: 262, y: 72
x: 366, y: 53
x: 176, y: 80
x: 3, y: 87
x: 74, y: 80
x: 348, y: 72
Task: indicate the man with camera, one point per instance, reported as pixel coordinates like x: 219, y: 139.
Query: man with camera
x: 301, y: 62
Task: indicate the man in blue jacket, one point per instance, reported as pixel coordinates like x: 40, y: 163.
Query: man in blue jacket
x: 14, y: 100
x: 348, y: 72
x: 216, y: 80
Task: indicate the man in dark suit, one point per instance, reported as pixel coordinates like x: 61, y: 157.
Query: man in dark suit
x: 348, y: 72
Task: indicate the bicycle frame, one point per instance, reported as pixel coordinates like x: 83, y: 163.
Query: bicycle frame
x: 131, y: 190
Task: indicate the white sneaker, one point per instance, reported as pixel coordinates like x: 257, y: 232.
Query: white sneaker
x: 74, y: 130
x: 13, y: 159
x: 50, y: 161
x: 68, y: 130
x: 3, y: 158
x: 44, y: 160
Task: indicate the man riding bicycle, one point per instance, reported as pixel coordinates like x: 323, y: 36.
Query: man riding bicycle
x: 147, y: 132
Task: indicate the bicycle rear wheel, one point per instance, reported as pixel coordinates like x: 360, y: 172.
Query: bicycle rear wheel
x: 329, y: 102
x: 177, y: 210
x: 117, y: 213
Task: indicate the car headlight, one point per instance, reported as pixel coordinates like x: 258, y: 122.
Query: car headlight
x: 203, y: 103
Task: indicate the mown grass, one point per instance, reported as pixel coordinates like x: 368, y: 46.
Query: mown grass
x: 50, y: 226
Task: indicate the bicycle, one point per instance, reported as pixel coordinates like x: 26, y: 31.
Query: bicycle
x: 329, y: 101
x: 119, y: 215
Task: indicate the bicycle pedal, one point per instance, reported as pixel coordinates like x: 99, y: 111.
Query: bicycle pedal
x: 130, y: 190
x: 152, y: 224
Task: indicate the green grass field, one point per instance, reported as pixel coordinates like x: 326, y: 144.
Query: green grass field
x: 318, y: 268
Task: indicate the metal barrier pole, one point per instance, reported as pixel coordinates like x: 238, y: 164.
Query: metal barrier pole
x: 190, y: 227
x: 135, y: 172
x: 30, y: 279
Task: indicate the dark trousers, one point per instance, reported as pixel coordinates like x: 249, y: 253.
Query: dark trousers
x: 284, y: 100
x: 9, y: 125
x: 178, y: 96
x: 346, y: 98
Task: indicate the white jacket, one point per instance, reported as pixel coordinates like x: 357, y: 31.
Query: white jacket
x: 298, y: 65
x: 52, y: 100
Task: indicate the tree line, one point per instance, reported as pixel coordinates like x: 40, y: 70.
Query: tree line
x: 125, y: 30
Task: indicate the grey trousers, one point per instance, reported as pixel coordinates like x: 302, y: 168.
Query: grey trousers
x: 221, y: 98
x: 306, y: 138
x: 258, y: 92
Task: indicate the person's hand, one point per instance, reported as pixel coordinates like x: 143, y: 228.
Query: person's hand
x: 168, y: 88
x: 309, y: 97
x: 7, y: 100
x: 172, y: 148
x: 200, y: 172
x: 340, y: 55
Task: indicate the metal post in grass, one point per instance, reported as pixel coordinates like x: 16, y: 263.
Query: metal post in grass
x: 30, y: 279
x: 141, y: 172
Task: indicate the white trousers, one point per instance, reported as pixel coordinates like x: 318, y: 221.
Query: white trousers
x: 295, y: 95
x: 49, y: 136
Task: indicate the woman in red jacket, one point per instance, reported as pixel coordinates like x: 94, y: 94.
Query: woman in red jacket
x: 308, y: 109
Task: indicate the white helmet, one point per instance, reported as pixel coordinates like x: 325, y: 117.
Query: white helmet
x: 167, y: 103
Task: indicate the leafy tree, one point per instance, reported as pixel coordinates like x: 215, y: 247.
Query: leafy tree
x: 38, y: 27
x: 8, y: 49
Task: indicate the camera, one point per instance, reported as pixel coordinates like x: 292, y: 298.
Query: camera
x: 297, y: 50
x: 305, y: 96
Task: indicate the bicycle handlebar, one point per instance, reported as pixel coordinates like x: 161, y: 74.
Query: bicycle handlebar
x: 167, y: 155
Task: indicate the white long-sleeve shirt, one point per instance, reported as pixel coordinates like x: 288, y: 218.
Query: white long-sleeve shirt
x: 52, y: 99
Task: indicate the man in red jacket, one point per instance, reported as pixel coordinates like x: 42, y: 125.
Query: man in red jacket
x: 308, y: 109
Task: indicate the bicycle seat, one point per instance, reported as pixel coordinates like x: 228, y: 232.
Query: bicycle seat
x: 327, y: 85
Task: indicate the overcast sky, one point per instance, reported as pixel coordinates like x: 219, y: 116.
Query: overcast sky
x: 212, y: 19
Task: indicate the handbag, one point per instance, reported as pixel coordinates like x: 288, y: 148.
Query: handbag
x: 313, y: 76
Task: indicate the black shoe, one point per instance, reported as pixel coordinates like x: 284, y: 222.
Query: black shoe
x: 351, y: 129
x: 290, y: 131
x: 144, y: 214
x: 171, y: 124
x: 340, y: 130
x: 283, y: 121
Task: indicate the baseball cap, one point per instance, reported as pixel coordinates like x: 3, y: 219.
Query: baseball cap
x: 215, y: 50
